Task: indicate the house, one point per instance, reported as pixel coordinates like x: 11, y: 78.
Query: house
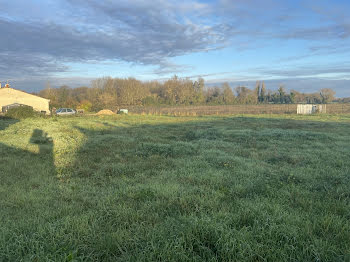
x: 10, y: 97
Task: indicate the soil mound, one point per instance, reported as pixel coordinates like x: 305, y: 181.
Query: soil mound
x: 105, y: 112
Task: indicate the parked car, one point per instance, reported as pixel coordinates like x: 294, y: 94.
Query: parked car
x: 65, y: 111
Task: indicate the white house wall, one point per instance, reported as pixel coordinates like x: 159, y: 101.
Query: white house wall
x: 10, y: 96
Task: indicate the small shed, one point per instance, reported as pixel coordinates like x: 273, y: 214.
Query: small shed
x: 311, y: 109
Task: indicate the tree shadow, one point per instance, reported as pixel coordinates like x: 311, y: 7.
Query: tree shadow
x: 23, y: 171
x: 150, y: 148
x: 5, y: 122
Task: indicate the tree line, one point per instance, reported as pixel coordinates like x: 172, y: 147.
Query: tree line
x: 114, y: 93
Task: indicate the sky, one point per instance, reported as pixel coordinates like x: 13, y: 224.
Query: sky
x: 301, y: 44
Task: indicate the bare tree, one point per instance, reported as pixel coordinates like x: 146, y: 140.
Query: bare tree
x: 327, y: 95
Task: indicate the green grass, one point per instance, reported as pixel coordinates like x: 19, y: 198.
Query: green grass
x: 152, y: 188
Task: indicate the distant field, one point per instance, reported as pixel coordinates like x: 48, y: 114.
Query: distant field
x: 231, y: 109
x: 157, y: 188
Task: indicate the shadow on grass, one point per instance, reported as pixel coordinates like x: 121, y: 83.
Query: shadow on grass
x: 113, y: 144
x: 6, y: 122
x: 18, y: 166
x: 197, y: 186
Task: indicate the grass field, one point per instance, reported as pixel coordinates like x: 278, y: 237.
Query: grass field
x: 152, y: 188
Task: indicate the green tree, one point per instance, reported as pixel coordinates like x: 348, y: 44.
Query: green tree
x: 282, y: 94
x: 199, y: 90
x: 244, y: 95
x: 257, y: 90
x: 262, y: 95
x: 228, y: 96
x: 292, y: 97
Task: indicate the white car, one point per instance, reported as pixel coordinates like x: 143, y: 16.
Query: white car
x: 65, y: 111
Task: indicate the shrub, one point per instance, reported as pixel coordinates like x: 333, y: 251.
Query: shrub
x: 21, y: 112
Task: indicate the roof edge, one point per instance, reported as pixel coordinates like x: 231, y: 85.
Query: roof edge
x: 24, y: 92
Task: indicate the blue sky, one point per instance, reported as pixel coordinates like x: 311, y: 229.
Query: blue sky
x: 304, y: 45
